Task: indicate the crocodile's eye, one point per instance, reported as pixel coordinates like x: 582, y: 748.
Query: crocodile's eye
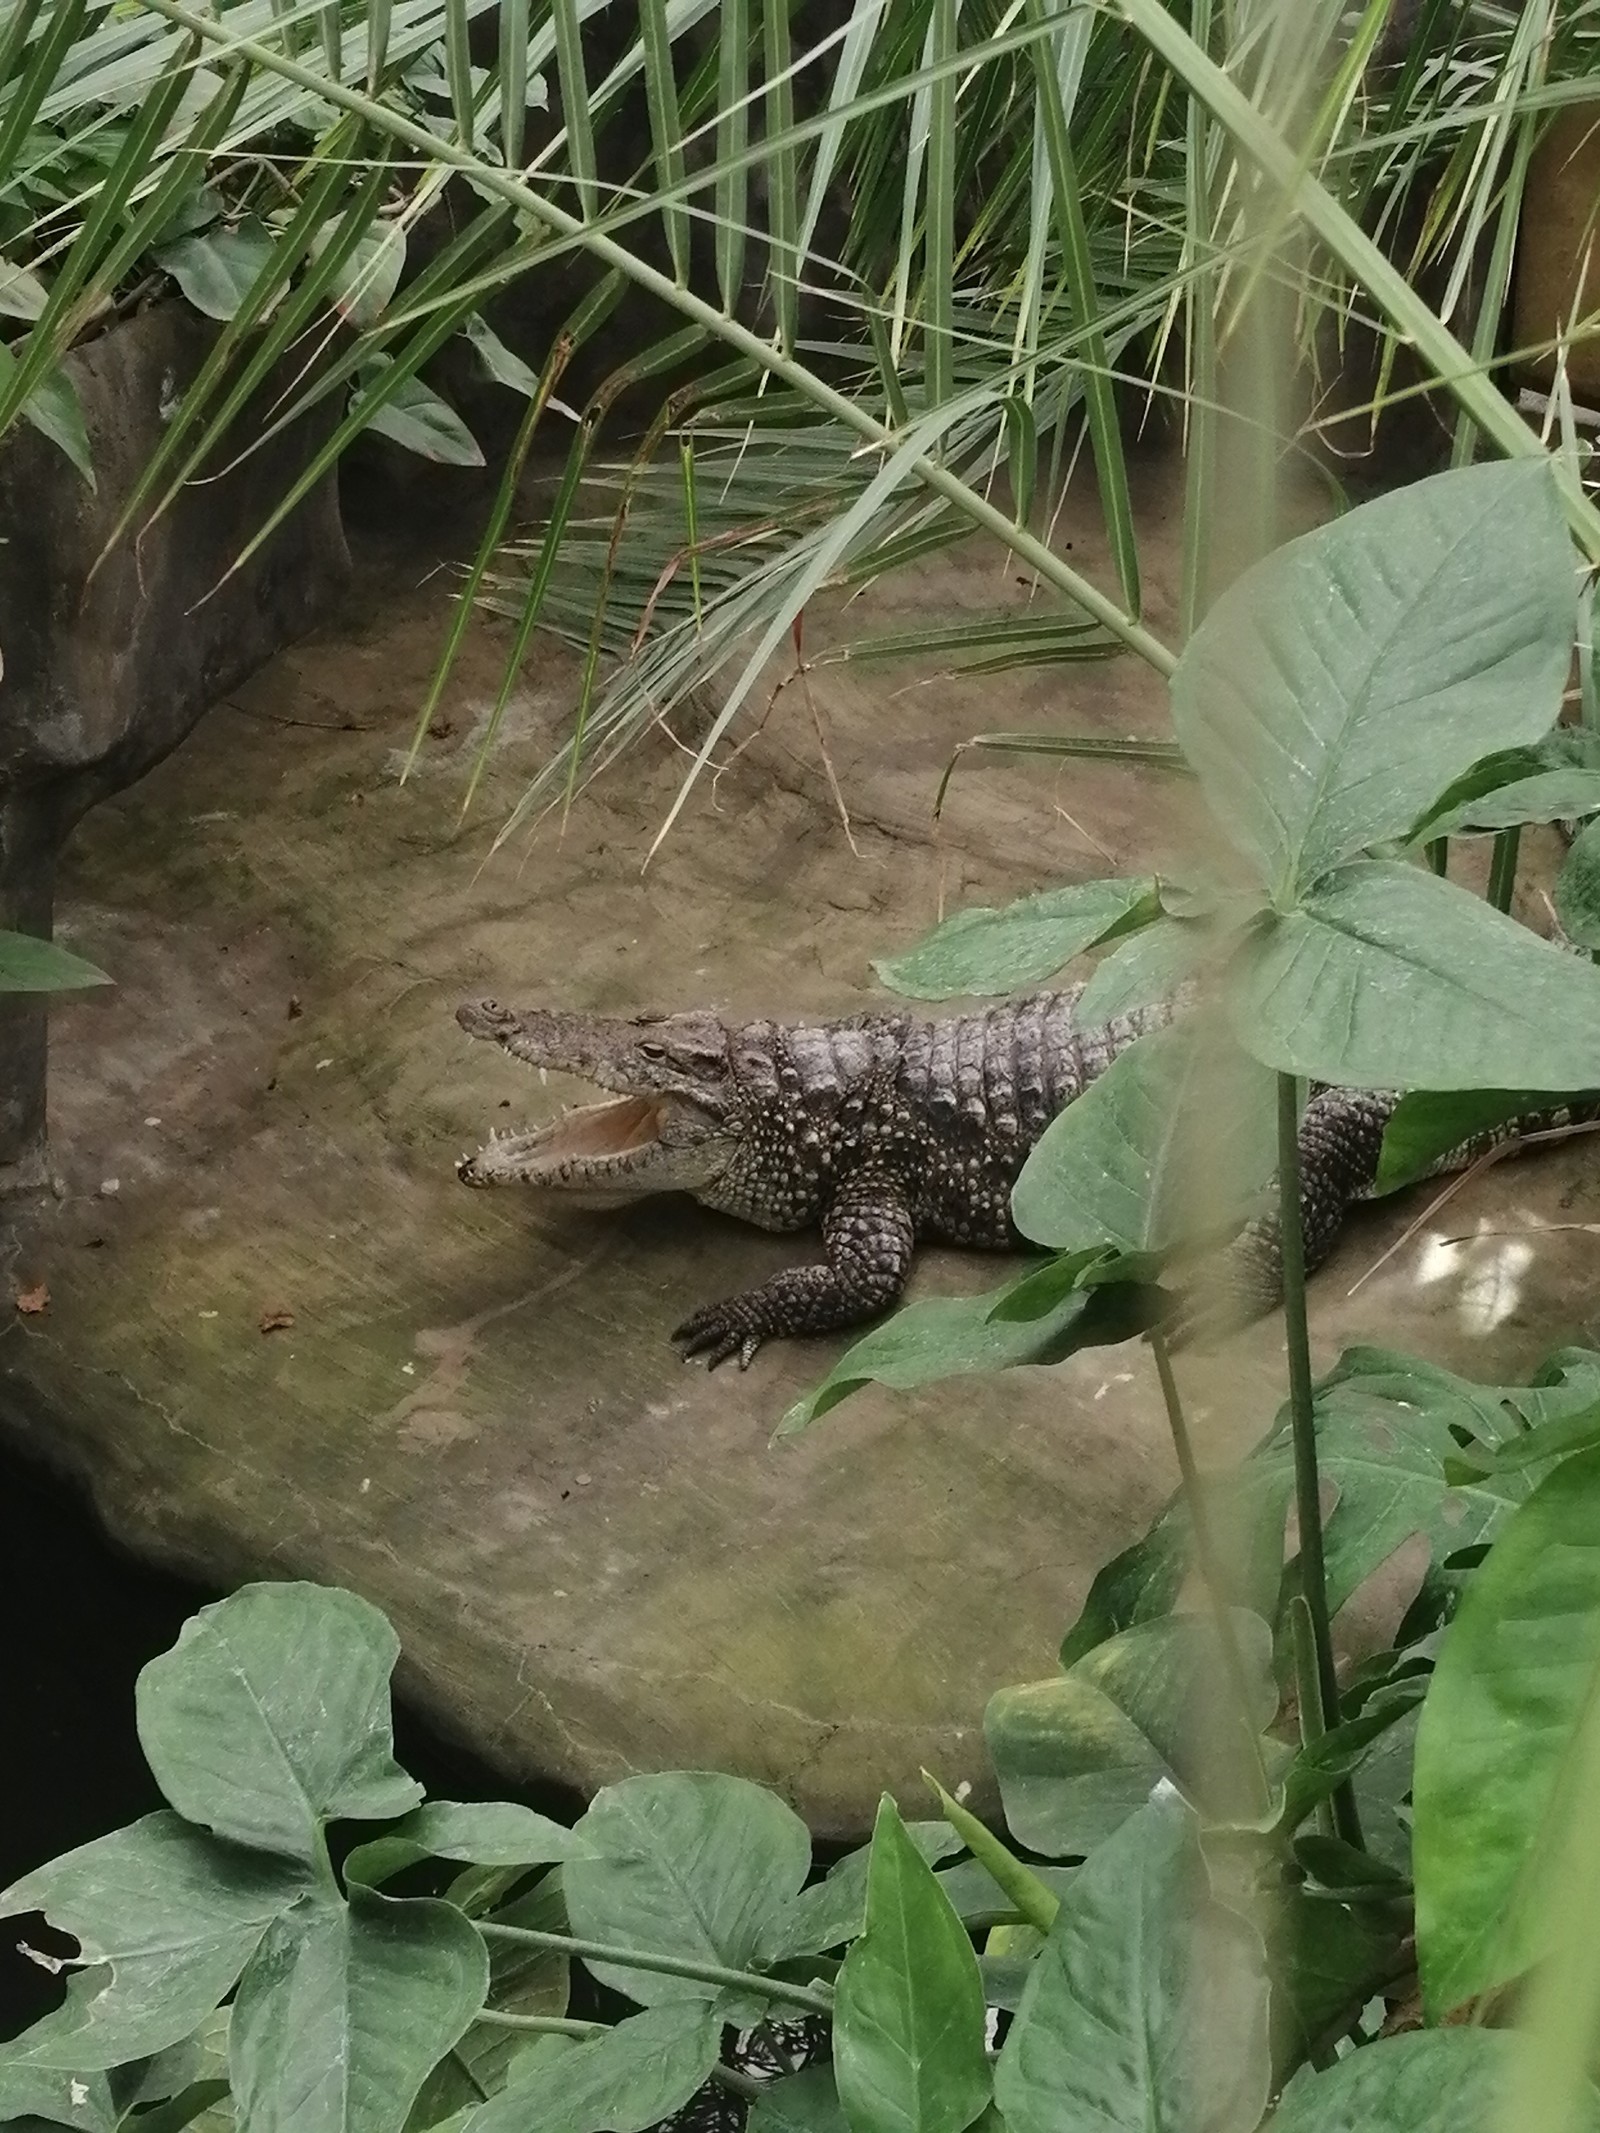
x: 655, y: 1053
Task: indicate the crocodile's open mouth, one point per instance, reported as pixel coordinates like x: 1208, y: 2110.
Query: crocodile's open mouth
x: 591, y: 1144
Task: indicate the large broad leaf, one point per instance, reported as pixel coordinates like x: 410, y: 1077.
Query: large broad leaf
x: 908, y: 2011
x: 167, y: 1918
x: 807, y: 2102
x: 688, y: 1864
x: 484, y: 1832
x: 370, y: 274
x: 986, y: 951
x: 1516, y: 784
x: 413, y: 415
x: 1577, y: 897
x: 631, y: 2077
x: 55, y: 411
x: 1430, y: 1126
x: 1246, y: 1507
x: 1177, y: 1136
x: 523, y: 1980
x: 1389, y: 977
x: 58, y: 2097
x: 1328, y: 1960
x: 835, y: 1908
x: 1147, y: 2008
x: 346, y: 2008
x: 1516, y: 1679
x: 270, y: 1716
x: 1389, y: 1435
x: 1146, y: 968
x: 950, y: 1336
x: 31, y: 965
x: 1335, y: 689
x: 1431, y: 2081
x: 1076, y: 1755
x: 216, y: 268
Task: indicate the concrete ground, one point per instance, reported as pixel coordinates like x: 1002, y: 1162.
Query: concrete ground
x: 282, y: 1340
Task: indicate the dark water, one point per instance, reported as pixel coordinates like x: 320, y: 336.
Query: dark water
x: 78, y: 1619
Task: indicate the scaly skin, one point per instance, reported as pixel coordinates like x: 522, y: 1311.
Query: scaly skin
x: 880, y: 1130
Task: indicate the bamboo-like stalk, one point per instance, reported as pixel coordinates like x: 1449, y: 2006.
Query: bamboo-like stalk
x: 1303, y: 1424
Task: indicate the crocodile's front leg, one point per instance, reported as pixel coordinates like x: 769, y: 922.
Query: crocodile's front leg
x: 868, y: 1236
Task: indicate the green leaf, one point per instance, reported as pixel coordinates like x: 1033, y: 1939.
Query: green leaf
x: 1496, y: 792
x: 985, y: 951
x: 1176, y: 1134
x: 950, y: 1336
x: 22, y: 295
x: 217, y: 268
x: 807, y: 2102
x: 1516, y: 1675
x: 1335, y: 689
x: 54, y: 410
x: 978, y: 1899
x: 1147, y: 2008
x: 168, y: 1920
x: 1246, y: 1507
x: 908, y: 2010
x: 1328, y: 1960
x: 1430, y: 1125
x: 270, y: 1716
x: 1430, y: 2081
x: 834, y: 1910
x: 1322, y: 1765
x: 368, y: 277
x: 413, y: 415
x: 1386, y: 1427
x: 346, y: 2008
x: 1577, y: 893
x: 1547, y: 796
x: 498, y: 360
x: 486, y: 1833
x: 1149, y: 966
x: 689, y: 1864
x: 1391, y: 978
x: 638, y: 2073
x: 28, y: 964
x: 52, y: 2093
x: 1079, y: 1753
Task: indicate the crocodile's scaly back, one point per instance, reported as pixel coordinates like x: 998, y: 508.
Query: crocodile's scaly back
x: 946, y: 1110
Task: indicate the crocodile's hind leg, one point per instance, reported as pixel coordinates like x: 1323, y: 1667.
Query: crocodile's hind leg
x: 1341, y: 1138
x: 868, y: 1236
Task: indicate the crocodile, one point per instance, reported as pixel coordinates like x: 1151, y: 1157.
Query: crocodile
x: 881, y: 1130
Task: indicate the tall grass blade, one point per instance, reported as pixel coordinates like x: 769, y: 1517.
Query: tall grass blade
x: 1099, y: 400
x: 458, y: 70
x: 939, y: 249
x: 783, y: 185
x: 733, y: 137
x: 666, y: 128
x: 513, y: 80
x: 574, y: 82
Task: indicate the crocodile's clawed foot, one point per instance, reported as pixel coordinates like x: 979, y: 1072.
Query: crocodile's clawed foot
x: 719, y: 1331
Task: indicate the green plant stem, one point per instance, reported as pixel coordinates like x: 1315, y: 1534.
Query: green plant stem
x: 1307, y: 1484
x: 1503, y: 868
x: 1437, y: 854
x: 816, y: 1999
x: 1211, y: 1569
x: 539, y: 2025
x: 505, y: 185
